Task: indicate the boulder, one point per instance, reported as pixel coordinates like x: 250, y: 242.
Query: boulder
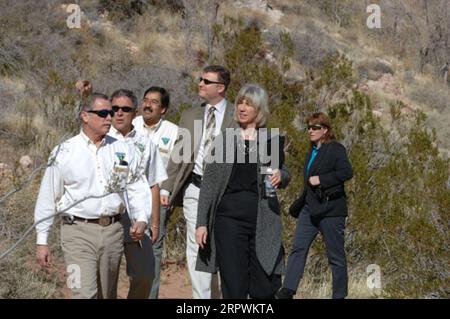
x: 26, y: 162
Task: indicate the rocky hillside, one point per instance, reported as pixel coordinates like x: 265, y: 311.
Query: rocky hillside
x: 386, y: 88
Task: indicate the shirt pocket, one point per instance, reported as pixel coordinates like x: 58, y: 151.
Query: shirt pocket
x: 164, y: 145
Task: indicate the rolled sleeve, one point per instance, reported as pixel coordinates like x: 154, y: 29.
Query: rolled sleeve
x: 140, y: 200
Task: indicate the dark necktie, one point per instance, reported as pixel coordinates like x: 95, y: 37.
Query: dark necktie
x: 209, y: 134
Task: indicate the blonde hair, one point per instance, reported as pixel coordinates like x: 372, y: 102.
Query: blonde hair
x: 257, y: 97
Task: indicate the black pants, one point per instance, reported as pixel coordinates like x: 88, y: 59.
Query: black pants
x: 332, y: 230
x: 241, y: 274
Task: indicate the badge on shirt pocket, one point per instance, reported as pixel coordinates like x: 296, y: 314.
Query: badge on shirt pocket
x: 164, y: 148
x: 120, y: 156
x: 140, y: 147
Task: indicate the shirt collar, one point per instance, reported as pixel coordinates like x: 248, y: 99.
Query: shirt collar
x: 220, y: 107
x: 113, y: 131
x: 317, y: 147
x: 153, y: 127
x: 88, y: 141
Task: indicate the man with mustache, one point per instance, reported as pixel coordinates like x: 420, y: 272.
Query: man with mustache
x: 163, y: 133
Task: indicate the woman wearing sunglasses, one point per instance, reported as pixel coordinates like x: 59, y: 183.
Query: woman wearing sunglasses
x: 322, y: 207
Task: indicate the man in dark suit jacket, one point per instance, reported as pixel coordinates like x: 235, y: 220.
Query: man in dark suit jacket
x: 182, y: 187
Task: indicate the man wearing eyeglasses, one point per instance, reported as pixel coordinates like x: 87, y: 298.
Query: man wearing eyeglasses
x: 139, y: 255
x: 163, y: 133
x: 84, y: 177
x: 184, y: 178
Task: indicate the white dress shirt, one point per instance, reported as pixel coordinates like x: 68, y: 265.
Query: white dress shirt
x: 219, y: 115
x: 149, y: 157
x: 163, y: 134
x: 78, y: 169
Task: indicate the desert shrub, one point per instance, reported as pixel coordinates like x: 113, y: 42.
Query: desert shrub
x: 174, y: 6
x: 373, y: 70
x: 340, y: 12
x: 124, y: 10
x: 120, y: 10
x: 434, y: 94
x: 175, y: 240
x: 11, y: 59
x: 399, y: 196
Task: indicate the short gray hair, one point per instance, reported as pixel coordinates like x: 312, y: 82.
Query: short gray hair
x: 87, y: 104
x: 125, y: 93
x: 257, y: 97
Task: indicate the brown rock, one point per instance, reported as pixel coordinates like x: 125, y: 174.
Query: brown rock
x: 26, y: 162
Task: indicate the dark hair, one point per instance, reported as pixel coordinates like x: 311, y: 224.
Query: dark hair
x: 223, y: 74
x: 165, y: 98
x: 320, y: 118
x: 88, y: 102
x: 125, y: 93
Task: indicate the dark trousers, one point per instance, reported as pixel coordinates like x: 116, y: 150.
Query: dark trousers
x: 332, y: 230
x: 241, y: 274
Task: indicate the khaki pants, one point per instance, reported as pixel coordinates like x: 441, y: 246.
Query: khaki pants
x: 92, y: 254
x: 140, y: 262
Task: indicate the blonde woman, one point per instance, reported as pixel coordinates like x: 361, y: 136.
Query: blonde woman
x: 238, y: 225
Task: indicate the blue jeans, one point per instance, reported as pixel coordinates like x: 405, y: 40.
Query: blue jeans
x: 332, y: 230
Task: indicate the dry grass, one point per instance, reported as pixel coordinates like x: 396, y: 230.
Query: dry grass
x: 321, y: 288
x: 429, y: 93
x: 21, y: 277
x: 162, y: 49
x: 434, y: 98
x: 150, y: 51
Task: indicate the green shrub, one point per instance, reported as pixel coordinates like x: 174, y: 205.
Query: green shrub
x: 399, y: 198
x: 121, y: 10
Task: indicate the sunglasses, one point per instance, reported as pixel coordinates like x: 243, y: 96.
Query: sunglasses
x: 102, y: 113
x: 125, y: 109
x: 315, y: 127
x: 207, y: 82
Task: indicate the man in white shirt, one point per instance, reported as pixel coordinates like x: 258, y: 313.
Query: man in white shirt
x: 89, y: 165
x: 154, y: 105
x: 163, y: 133
x: 184, y: 177
x: 140, y: 258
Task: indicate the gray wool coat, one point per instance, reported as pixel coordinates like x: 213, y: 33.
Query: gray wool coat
x: 269, y: 249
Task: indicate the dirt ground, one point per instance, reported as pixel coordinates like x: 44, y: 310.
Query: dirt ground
x: 175, y: 283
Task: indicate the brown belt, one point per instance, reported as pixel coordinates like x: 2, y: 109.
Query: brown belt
x: 102, y: 221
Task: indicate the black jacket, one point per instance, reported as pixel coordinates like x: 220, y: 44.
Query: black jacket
x: 333, y: 168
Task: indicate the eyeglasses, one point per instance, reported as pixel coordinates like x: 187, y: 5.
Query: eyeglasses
x: 207, y: 82
x: 314, y: 127
x: 103, y: 113
x: 125, y: 109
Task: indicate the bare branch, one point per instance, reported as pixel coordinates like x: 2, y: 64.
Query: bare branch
x: 30, y: 229
x: 32, y: 175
